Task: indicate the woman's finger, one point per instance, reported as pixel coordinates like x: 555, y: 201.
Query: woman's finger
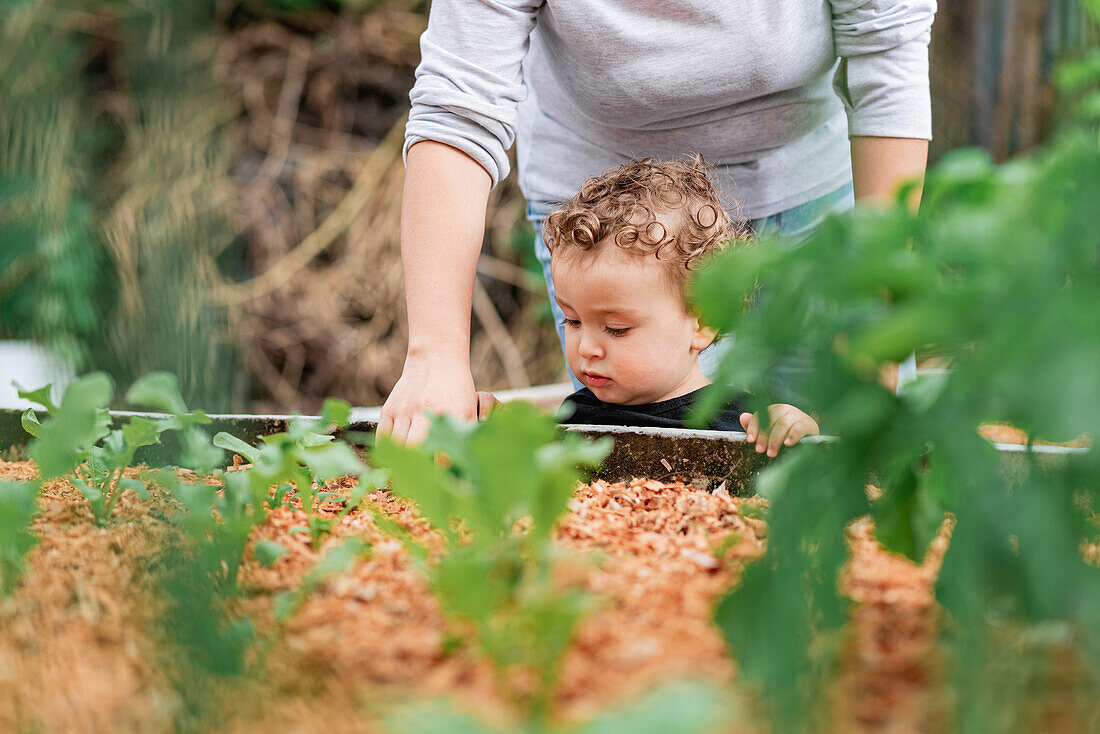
x: 400, y: 429
x: 385, y: 423
x: 418, y: 429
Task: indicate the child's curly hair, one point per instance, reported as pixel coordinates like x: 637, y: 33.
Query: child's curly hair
x: 668, y: 209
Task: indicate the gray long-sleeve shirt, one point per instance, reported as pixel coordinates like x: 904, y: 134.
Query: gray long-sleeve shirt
x: 755, y: 86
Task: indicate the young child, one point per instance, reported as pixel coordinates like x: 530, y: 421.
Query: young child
x: 621, y: 251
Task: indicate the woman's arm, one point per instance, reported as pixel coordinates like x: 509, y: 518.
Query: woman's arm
x: 442, y: 227
x: 882, y: 79
x: 881, y: 165
x: 461, y: 124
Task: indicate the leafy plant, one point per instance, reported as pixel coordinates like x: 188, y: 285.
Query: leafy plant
x: 17, y: 511
x: 77, y: 439
x: 114, y: 215
x: 208, y: 638
x: 494, y: 490
x: 339, y: 559
x: 299, y: 462
x: 677, y: 708
x: 998, y: 271
x: 50, y: 261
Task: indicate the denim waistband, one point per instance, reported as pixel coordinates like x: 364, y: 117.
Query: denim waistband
x: 539, y: 210
x: 809, y: 212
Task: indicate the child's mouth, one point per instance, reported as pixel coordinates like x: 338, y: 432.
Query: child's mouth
x: 596, y: 380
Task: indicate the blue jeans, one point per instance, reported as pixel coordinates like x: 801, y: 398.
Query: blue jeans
x: 795, y: 225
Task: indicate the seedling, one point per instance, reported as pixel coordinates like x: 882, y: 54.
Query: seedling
x: 77, y: 440
x: 339, y: 559
x: 475, y: 484
x: 17, y: 511
x: 297, y: 463
x: 683, y: 707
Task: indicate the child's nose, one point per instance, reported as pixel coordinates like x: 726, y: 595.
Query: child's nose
x: 590, y: 346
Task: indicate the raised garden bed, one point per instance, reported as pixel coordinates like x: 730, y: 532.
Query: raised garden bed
x: 80, y: 643
x: 238, y: 598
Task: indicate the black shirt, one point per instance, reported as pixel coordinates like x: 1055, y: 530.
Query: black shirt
x: 671, y: 413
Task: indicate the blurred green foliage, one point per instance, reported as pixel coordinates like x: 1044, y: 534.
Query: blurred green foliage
x: 495, y: 491
x: 999, y: 272
x: 693, y: 707
x: 78, y: 442
x: 496, y: 576
x: 49, y: 257
x: 17, y: 512
x: 114, y: 188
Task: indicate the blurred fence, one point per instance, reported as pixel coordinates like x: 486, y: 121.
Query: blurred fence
x: 991, y: 66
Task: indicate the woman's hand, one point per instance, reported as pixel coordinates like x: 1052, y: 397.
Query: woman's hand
x: 787, y: 426
x: 442, y: 226
x: 426, y: 387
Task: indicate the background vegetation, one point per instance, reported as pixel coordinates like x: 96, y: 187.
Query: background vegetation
x: 213, y: 187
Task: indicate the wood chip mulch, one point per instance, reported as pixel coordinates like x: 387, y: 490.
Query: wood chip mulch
x: 75, y: 656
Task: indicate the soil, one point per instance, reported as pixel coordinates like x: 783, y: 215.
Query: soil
x: 79, y: 643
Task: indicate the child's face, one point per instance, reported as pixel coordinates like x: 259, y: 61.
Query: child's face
x: 628, y: 335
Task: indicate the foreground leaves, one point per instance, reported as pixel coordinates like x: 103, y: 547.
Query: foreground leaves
x: 77, y: 440
x: 495, y: 491
x: 999, y: 271
x: 17, y: 511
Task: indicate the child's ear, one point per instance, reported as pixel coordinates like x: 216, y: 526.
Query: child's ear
x: 703, y: 336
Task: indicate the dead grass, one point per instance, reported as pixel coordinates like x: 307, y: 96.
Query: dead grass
x: 320, y: 172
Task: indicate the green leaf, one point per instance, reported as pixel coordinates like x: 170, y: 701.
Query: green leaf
x: 267, y: 552
x: 451, y: 438
x: 198, y: 499
x: 503, y: 450
x: 335, y: 413
x: 17, y: 511
x: 285, y: 604
x: 416, y: 476
x: 113, y: 450
x: 80, y: 421
x: 556, y: 465
x: 467, y: 585
x: 677, y: 708
x: 92, y: 494
x: 140, y: 432
x: 41, y: 396
x: 302, y: 431
x: 198, y: 453
x: 232, y: 443
x: 135, y: 485
x: 159, y: 391
x: 330, y: 461
x: 339, y: 559
x: 30, y: 422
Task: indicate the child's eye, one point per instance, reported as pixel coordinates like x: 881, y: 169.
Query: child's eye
x: 617, y: 332
x: 571, y: 323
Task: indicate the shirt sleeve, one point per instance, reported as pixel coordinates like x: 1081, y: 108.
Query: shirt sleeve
x: 883, y: 73
x: 469, y: 81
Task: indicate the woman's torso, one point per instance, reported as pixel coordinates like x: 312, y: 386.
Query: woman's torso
x: 746, y: 84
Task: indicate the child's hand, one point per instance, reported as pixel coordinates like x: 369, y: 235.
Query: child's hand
x: 787, y: 426
x: 486, y: 401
